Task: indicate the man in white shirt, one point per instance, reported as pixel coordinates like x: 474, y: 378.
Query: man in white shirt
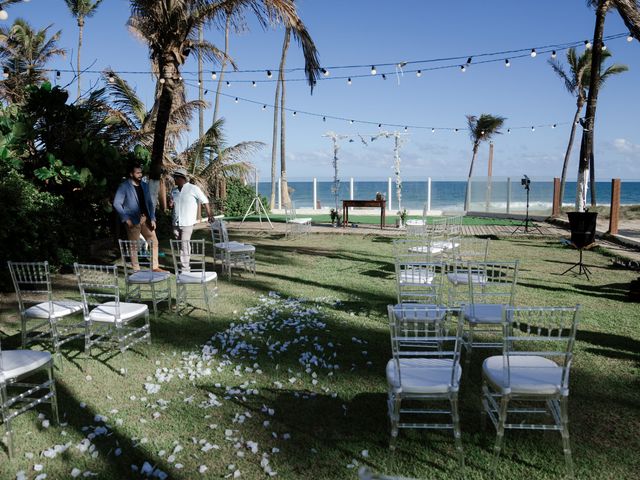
x: 186, y: 199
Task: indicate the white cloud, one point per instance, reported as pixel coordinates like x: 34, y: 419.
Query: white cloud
x: 626, y: 147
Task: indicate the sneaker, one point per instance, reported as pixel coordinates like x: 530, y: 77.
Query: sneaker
x: 160, y: 270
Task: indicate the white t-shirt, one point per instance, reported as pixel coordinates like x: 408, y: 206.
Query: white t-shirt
x: 185, y: 204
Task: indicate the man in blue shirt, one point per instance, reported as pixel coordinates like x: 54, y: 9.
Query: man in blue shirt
x: 134, y: 206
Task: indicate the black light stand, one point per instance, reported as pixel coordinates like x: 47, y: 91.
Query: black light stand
x: 527, y: 224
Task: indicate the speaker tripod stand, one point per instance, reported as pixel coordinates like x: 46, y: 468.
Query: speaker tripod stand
x: 257, y: 208
x: 582, y: 268
x: 527, y: 225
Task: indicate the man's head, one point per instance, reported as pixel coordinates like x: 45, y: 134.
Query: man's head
x: 135, y: 172
x: 180, y: 177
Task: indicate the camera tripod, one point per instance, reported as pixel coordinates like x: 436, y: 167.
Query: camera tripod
x: 527, y: 225
x: 257, y: 207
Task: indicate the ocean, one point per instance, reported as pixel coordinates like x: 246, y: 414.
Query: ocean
x: 448, y: 196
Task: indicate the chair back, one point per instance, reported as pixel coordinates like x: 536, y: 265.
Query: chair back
x: 471, y: 249
x: 454, y: 225
x: 427, y: 332
x: 32, y: 283
x: 290, y: 211
x: 548, y: 332
x: 419, y: 282
x: 98, y: 284
x: 136, y: 249
x: 492, y: 282
x: 197, y: 255
x: 219, y: 232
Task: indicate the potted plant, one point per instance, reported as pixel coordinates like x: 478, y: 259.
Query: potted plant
x: 335, y: 217
x: 402, y: 217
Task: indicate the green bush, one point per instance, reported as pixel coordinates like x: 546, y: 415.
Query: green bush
x: 239, y: 198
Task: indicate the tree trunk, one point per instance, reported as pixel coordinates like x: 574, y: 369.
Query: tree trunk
x: 630, y: 13
x: 80, y: 29
x: 592, y: 179
x: 466, y: 192
x: 567, y: 155
x: 200, y: 85
x: 165, y: 102
x: 589, y: 121
x: 286, y: 200
x: 222, y: 67
x: 274, y: 144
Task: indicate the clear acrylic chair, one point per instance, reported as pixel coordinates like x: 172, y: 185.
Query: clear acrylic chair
x: 22, y: 387
x: 43, y: 318
x: 417, y: 226
x: 527, y: 387
x: 296, y: 225
x: 492, y: 287
x: 419, y: 282
x: 426, y: 344
x: 468, y: 249
x: 195, y: 275
x: 110, y: 323
x: 138, y: 281
x: 231, y: 254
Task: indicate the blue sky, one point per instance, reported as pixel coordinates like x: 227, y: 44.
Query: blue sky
x: 372, y: 32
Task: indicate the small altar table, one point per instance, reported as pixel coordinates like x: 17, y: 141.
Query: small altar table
x: 381, y: 204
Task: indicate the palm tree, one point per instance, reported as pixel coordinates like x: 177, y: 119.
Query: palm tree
x: 81, y: 9
x: 24, y: 53
x: 629, y: 10
x: 481, y: 129
x: 284, y: 185
x: 576, y: 80
x: 170, y: 27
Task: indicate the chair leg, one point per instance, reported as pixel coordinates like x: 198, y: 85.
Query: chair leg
x: 24, y: 333
x: 468, y: 345
x: 394, y: 418
x: 205, y: 296
x: 87, y: 345
x: 502, y: 419
x: 566, y: 444
x: 5, y: 420
x: 54, y: 396
x: 146, y: 322
x: 484, y: 407
x: 55, y: 340
x: 154, y: 301
x: 121, y: 345
x: 457, y: 435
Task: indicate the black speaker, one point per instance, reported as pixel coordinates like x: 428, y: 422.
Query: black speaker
x: 583, y: 228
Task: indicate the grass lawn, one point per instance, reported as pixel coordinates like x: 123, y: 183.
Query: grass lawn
x: 293, y: 382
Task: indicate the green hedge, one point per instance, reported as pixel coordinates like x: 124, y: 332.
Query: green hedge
x: 239, y: 198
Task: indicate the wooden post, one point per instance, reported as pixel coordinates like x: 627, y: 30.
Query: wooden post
x: 489, y: 174
x: 557, y: 201
x: 429, y: 194
x: 315, y: 193
x: 508, y: 194
x: 615, y: 206
x: 389, y: 206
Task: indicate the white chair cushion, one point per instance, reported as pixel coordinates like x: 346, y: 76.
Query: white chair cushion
x: 445, y: 244
x: 18, y: 362
x: 300, y: 220
x: 426, y: 249
x: 414, y: 223
x: 483, y: 313
x: 147, y: 276
x: 106, y: 312
x: 61, y: 308
x: 462, y: 278
x: 418, y: 311
x: 530, y: 374
x: 422, y: 375
x: 416, y: 276
x: 196, y: 277
x: 235, y: 247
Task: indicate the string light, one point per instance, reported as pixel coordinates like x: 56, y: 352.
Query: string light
x: 349, y: 81
x: 269, y: 74
x: 554, y: 125
x: 604, y: 47
x: 161, y: 80
x: 199, y: 83
x: 379, y: 125
x: 533, y: 53
x: 228, y: 83
x: 111, y: 78
x: 469, y: 61
x: 236, y: 99
x: 206, y: 92
x: 456, y: 130
x: 325, y: 72
x: 3, y: 14
x: 508, y: 130
x: 213, y: 75
x: 254, y: 84
x: 433, y: 130
x: 373, y: 70
x: 629, y: 37
x: 384, y: 77
x: 351, y: 122
x: 507, y: 63
x: 295, y: 113
x: 419, y: 73
x: 463, y: 68
x: 533, y: 129
x: 587, y: 44
x: 58, y: 74
x: 324, y: 119
x: 553, y: 54
x: 5, y: 72
x: 406, y: 128
x: 264, y: 107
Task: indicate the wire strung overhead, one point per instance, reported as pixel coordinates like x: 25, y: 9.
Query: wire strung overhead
x: 370, y: 70
x: 406, y: 127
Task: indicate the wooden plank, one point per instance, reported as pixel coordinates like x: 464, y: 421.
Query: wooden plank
x: 615, y: 206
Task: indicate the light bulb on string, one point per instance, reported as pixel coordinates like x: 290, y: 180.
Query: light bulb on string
x: 3, y: 14
x: 433, y: 130
x: 604, y: 47
x: 228, y: 83
x: 629, y: 37
x: 264, y: 107
x: 554, y: 125
x: 111, y: 78
x: 214, y: 75
x: 553, y: 54
x: 324, y: 119
x: 161, y: 80
x: 587, y: 44
x: 463, y: 68
x: 5, y: 72
x: 349, y: 81
x: 384, y: 77
x: 406, y: 129
x: 469, y: 61
x: 206, y: 92
x: 533, y: 129
x: 507, y: 63
x: 269, y: 74
x: 236, y: 100
x: 455, y: 130
x: 373, y: 70
x: 379, y: 125
x: 325, y: 72
x: 58, y: 74
x: 350, y: 122
x: 254, y: 84
x: 419, y: 73
x: 533, y: 53
x: 199, y: 83
x: 295, y: 113
x: 508, y: 130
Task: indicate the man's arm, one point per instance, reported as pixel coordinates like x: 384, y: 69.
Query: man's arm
x: 202, y: 198
x: 118, y: 203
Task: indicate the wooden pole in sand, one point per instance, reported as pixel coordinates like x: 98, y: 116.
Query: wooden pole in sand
x: 557, y: 201
x: 489, y: 174
x: 615, y: 207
